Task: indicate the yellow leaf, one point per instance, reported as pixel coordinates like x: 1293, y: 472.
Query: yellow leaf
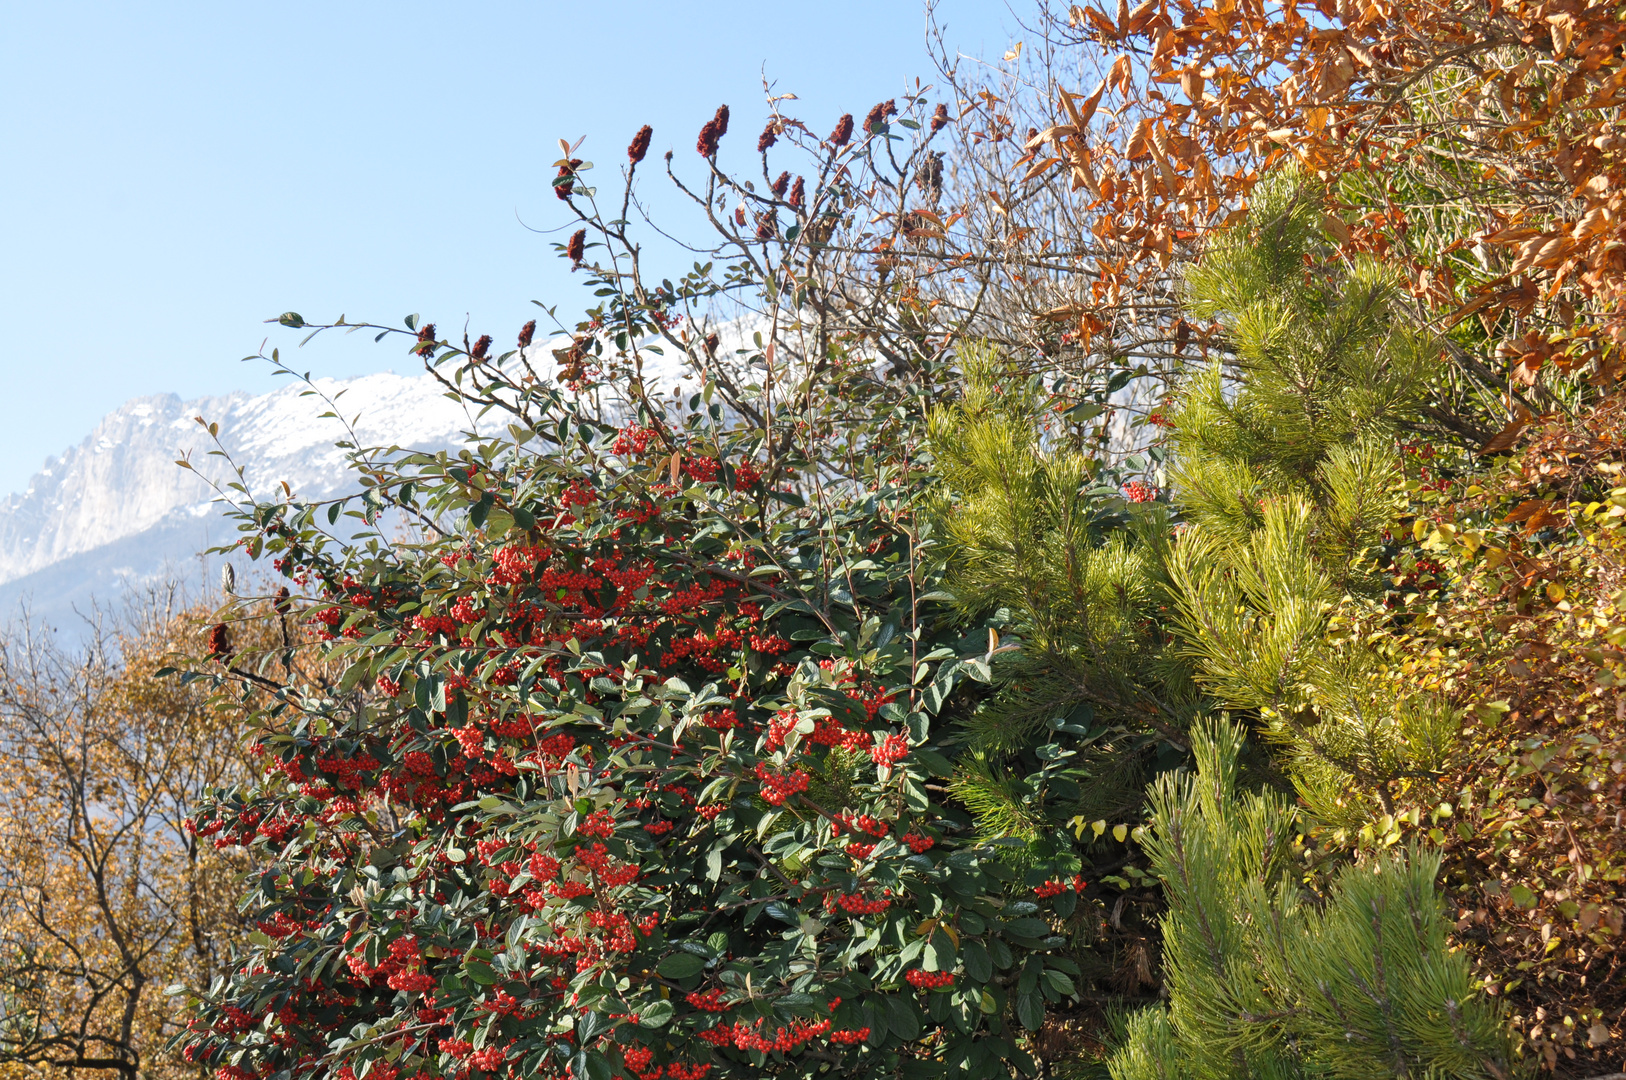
x: 1099, y: 827
x: 1119, y: 832
x: 1555, y: 591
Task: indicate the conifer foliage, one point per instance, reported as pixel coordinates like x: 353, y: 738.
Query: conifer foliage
x: 1288, y: 475
x: 1268, y: 981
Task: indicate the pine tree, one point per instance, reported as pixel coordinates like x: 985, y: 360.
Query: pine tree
x: 1266, y: 981
x: 1286, y: 473
x: 1070, y: 577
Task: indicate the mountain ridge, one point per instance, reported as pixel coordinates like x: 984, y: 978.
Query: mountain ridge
x: 116, y: 512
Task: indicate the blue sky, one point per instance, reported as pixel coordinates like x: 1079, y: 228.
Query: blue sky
x: 176, y: 173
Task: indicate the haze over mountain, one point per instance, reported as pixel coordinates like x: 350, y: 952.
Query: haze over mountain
x: 116, y: 512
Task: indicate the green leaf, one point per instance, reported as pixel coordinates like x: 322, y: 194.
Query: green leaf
x: 1028, y: 928
x: 1030, y: 1010
x: 656, y: 1014
x: 935, y: 763
x: 902, y: 1018
x: 589, y: 1024
x: 590, y: 1065
x: 680, y: 966
x: 977, y: 962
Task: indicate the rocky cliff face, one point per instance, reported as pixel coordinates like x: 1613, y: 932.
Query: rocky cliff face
x: 116, y: 512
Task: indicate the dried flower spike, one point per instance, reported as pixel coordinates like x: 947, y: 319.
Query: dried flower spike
x: 781, y: 184
x: 843, y: 132
x: 565, y: 182
x: 426, y: 340
x: 768, y: 137
x: 876, y: 120
x: 577, y: 247
x: 797, y: 194
x: 481, y: 347
x: 721, y: 119
x: 640, y: 144
x: 706, y: 144
x: 940, y: 118
x: 526, y: 333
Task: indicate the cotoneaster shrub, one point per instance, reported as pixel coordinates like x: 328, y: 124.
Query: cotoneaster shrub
x: 631, y: 772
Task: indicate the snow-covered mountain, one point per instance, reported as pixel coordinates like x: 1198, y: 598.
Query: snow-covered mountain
x: 116, y: 512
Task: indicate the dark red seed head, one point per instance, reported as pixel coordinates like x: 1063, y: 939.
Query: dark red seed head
x: 706, y: 144
x: 940, y: 118
x: 843, y: 131
x: 220, y: 642
x: 526, y: 333
x: 768, y: 137
x: 283, y: 603
x: 781, y: 184
x: 565, y: 182
x: 797, y: 194
x: 722, y: 120
x: 577, y: 246
x: 481, y: 347
x: 877, y: 116
x: 640, y: 144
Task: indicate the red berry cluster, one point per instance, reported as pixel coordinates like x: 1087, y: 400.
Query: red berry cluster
x: 1055, y: 888
x: 779, y: 786
x: 892, y: 749
x: 929, y: 980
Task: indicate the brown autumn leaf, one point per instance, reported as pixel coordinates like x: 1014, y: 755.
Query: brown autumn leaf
x: 1527, y: 509
x: 1039, y: 167
x: 1081, y: 115
x: 1120, y: 74
x: 1504, y: 439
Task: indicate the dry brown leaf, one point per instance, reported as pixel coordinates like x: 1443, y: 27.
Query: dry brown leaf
x: 1081, y: 115
x: 1527, y: 510
x: 1039, y: 167
x: 1120, y: 74
x: 1336, y: 227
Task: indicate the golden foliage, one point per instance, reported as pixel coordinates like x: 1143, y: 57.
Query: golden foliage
x: 105, y: 896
